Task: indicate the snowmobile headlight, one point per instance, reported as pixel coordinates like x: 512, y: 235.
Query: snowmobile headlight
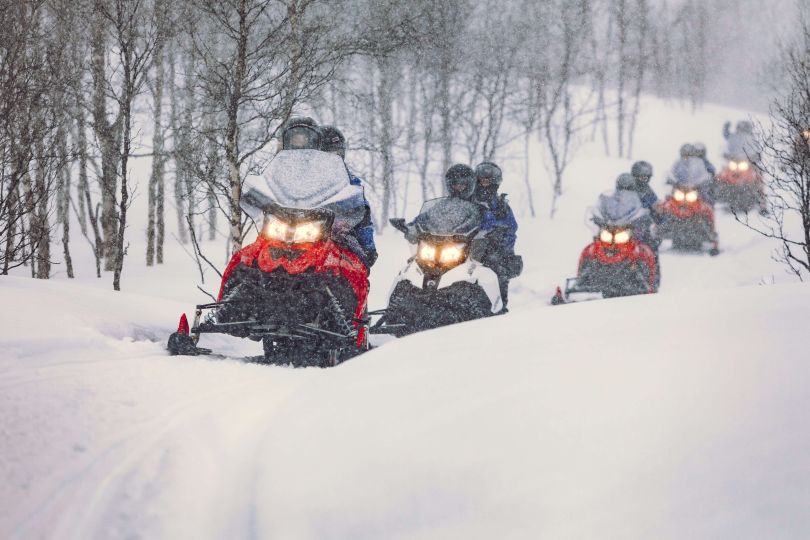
x: 606, y: 236
x: 621, y: 237
x: 427, y: 252
x: 451, y: 253
x: 732, y: 165
x: 678, y: 195
x: 274, y: 228
x: 309, y: 231
x: 743, y: 166
x: 691, y: 196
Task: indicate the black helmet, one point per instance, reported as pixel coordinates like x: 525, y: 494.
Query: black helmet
x: 460, y: 181
x: 687, y: 150
x: 642, y: 171
x: 625, y: 181
x: 333, y: 141
x: 487, y: 169
x: 301, y: 133
x: 700, y: 150
x: 744, y: 126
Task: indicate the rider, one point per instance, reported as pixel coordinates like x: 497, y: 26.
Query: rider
x: 742, y: 141
x: 333, y: 141
x: 643, y: 227
x: 700, y: 151
x: 690, y: 152
x: 499, y: 225
x: 303, y: 133
x: 642, y: 172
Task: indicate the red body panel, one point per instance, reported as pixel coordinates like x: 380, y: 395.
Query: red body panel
x: 686, y: 210
x: 632, y: 252
x: 740, y: 178
x: 322, y: 257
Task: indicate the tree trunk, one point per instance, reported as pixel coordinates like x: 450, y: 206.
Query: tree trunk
x: 41, y: 227
x: 232, y: 133
x: 179, y: 189
x: 154, y: 244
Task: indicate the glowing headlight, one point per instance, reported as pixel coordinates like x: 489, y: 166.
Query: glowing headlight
x: 427, y: 252
x: 732, y: 165
x: 451, y: 253
x: 621, y: 237
x: 691, y: 196
x: 678, y: 195
x: 743, y: 165
x: 606, y: 236
x: 307, y: 232
x: 274, y: 228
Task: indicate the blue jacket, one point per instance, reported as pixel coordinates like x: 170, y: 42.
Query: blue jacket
x: 499, y: 215
x: 364, y: 231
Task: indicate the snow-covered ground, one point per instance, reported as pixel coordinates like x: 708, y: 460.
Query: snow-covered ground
x: 678, y: 415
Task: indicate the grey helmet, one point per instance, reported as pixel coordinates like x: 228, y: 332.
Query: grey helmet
x: 625, y: 181
x: 700, y: 150
x: 488, y: 178
x: 460, y: 181
x: 744, y: 126
x: 487, y: 169
x: 642, y: 171
x: 301, y: 133
x: 687, y: 150
x: 332, y: 140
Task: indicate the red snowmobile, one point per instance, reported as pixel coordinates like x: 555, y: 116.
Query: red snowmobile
x: 740, y: 185
x: 300, y: 288
x: 687, y: 217
x: 618, y: 262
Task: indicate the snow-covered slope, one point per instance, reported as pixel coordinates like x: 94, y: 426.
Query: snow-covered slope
x: 678, y: 415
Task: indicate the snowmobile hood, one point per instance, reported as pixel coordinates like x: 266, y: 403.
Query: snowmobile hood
x: 303, y: 180
x: 618, y: 209
x: 689, y: 172
x: 449, y: 216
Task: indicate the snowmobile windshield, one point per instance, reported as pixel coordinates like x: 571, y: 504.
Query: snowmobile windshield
x: 690, y: 172
x: 618, y: 209
x: 448, y: 216
x: 306, y: 179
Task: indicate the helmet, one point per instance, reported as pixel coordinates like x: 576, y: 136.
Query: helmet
x: 332, y: 140
x: 301, y: 133
x: 744, y: 126
x: 488, y: 177
x: 460, y: 181
x: 687, y: 150
x: 700, y: 150
x: 487, y: 169
x: 625, y: 181
x: 642, y: 171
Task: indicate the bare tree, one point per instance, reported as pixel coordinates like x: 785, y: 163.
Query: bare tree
x: 786, y: 161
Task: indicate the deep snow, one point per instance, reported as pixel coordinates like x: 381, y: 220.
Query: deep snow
x: 678, y: 415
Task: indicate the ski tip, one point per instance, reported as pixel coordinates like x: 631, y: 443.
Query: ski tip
x: 182, y: 328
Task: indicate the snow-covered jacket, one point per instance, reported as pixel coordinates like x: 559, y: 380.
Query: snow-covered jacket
x: 364, y: 231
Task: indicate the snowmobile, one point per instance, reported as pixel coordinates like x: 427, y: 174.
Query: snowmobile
x: 444, y: 282
x: 617, y: 262
x: 740, y: 185
x: 300, y: 287
x: 686, y: 217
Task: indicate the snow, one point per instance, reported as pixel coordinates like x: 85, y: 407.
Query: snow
x: 677, y: 415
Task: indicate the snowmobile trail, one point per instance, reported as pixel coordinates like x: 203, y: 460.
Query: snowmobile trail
x: 133, y: 477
